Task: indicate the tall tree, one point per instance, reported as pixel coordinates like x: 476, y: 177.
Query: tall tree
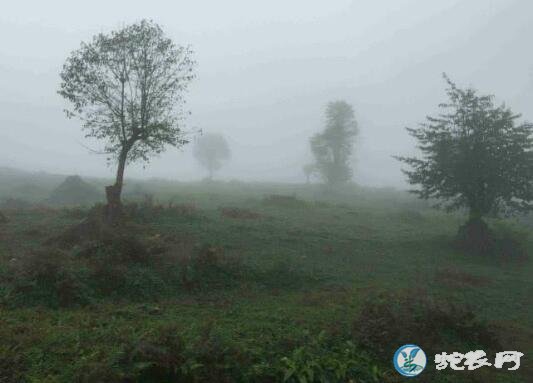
x: 333, y: 147
x: 474, y: 155
x: 128, y: 88
x: 211, y: 150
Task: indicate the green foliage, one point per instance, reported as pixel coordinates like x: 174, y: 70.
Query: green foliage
x: 383, y: 323
x: 128, y: 88
x: 475, y: 156
x: 333, y: 147
x: 323, y: 362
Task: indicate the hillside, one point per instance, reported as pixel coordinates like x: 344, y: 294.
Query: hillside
x: 241, y: 281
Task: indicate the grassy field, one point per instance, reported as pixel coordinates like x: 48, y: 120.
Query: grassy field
x: 285, y: 279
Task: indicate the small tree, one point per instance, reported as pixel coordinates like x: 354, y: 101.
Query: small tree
x: 474, y: 156
x: 128, y: 89
x: 333, y: 147
x: 210, y: 150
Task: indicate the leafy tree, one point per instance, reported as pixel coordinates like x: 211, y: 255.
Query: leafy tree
x: 128, y: 88
x: 333, y: 147
x: 211, y: 150
x: 474, y: 155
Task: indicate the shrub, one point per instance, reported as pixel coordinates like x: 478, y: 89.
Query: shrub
x: 511, y: 242
x: 209, y: 266
x: 387, y: 321
x: 322, y: 362
x: 159, y: 358
x: 46, y: 276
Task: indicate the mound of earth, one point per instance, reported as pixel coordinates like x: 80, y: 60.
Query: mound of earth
x: 74, y: 192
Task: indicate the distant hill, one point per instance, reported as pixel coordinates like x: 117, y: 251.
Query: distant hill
x: 74, y: 191
x: 29, y: 186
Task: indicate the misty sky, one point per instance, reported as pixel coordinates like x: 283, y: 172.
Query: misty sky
x: 265, y: 71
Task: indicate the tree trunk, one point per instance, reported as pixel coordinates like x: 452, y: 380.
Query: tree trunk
x: 113, y: 193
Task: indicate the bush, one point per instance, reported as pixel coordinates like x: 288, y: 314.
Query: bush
x: 387, y: 321
x: 511, y: 242
x: 46, y: 276
x: 159, y: 358
x: 209, y: 266
x: 322, y: 362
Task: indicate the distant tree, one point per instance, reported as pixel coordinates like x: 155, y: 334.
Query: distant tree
x: 211, y: 150
x: 128, y: 88
x: 309, y: 170
x: 474, y: 156
x: 333, y: 147
x: 3, y: 218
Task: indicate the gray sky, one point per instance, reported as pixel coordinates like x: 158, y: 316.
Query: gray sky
x: 265, y: 71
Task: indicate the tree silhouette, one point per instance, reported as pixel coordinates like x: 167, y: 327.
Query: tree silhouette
x: 333, y: 147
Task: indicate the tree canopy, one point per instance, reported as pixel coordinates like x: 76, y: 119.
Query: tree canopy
x: 333, y: 147
x: 210, y: 150
x: 475, y: 155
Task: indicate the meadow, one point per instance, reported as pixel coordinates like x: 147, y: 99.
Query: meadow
x: 242, y: 282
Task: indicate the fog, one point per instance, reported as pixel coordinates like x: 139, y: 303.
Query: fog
x: 265, y: 72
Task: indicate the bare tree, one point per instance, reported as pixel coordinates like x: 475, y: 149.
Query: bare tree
x: 128, y: 88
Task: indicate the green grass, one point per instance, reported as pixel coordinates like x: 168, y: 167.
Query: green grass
x: 309, y: 266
